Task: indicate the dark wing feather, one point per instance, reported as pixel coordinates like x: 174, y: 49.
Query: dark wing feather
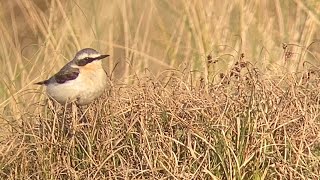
x: 67, y: 73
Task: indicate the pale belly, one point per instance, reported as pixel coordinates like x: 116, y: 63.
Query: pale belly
x: 84, y: 89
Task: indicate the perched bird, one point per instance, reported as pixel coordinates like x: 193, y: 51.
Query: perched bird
x: 81, y: 80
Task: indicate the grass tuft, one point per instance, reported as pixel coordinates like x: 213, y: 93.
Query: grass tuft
x: 244, y: 127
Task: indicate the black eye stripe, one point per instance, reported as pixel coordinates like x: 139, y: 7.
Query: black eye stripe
x: 86, y: 60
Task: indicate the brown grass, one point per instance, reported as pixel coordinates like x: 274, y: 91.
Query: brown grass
x: 198, y: 90
x: 244, y: 127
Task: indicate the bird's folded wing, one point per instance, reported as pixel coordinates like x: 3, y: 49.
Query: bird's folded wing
x: 66, y: 74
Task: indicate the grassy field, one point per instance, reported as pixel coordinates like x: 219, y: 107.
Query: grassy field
x: 197, y: 90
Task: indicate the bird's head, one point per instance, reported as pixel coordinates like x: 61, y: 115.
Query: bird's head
x: 88, y: 56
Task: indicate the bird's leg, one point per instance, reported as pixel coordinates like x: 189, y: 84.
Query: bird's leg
x: 83, y: 118
x: 74, y: 117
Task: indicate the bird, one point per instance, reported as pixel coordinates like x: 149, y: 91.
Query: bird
x: 81, y: 80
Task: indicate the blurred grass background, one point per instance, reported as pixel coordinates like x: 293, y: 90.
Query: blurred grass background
x: 200, y: 38
x: 39, y: 37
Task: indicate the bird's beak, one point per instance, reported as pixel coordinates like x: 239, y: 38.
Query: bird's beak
x: 102, y: 56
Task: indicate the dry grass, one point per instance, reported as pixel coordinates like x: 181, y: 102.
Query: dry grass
x: 202, y: 90
x: 244, y: 127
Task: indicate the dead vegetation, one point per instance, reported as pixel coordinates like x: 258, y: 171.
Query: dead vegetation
x: 242, y: 127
